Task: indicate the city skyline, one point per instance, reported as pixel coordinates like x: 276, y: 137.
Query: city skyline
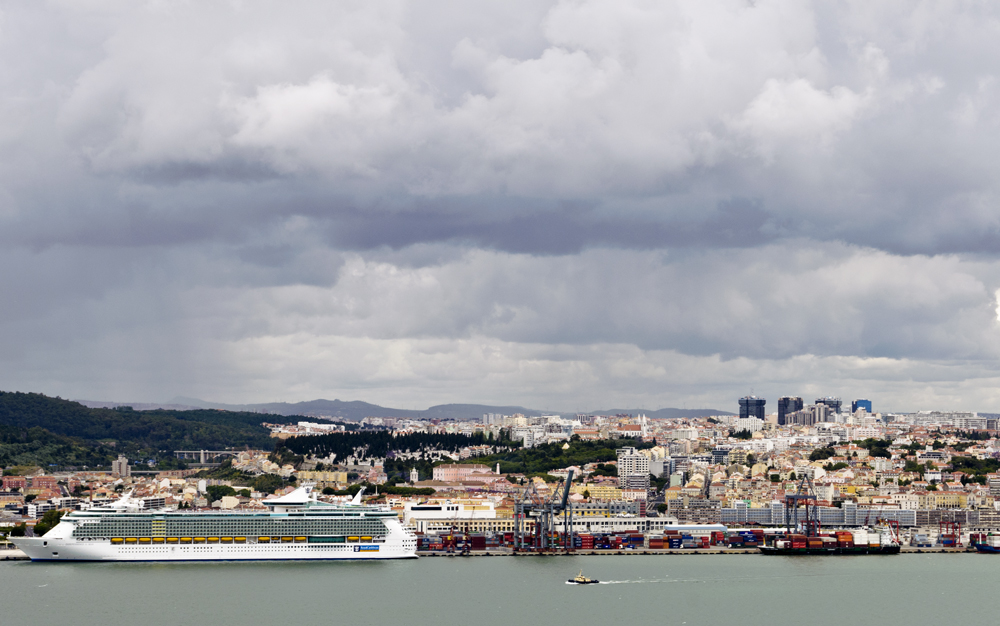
x: 557, y: 204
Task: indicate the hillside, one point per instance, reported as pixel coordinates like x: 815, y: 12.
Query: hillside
x: 357, y: 410
x: 667, y: 413
x: 550, y: 456
x: 34, y: 419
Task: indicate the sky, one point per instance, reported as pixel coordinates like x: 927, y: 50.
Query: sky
x: 563, y: 205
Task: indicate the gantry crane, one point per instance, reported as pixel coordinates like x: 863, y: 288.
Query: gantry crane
x: 544, y: 511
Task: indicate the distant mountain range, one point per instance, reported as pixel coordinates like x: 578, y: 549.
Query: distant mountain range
x: 664, y: 413
x: 355, y: 410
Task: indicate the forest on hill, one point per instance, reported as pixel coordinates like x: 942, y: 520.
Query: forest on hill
x: 546, y: 457
x: 380, y: 444
x: 41, y: 430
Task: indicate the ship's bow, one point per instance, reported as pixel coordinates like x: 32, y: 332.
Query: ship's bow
x: 34, y: 547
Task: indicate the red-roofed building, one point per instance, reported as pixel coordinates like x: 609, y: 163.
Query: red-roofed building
x: 14, y: 482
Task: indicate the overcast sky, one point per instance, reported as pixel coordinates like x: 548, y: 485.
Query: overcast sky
x: 566, y: 205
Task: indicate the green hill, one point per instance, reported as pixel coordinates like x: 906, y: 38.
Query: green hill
x: 550, y: 456
x: 32, y: 423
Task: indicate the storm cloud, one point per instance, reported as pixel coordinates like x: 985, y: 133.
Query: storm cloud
x: 567, y: 204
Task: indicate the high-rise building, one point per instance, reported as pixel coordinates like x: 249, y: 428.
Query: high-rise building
x: 752, y: 406
x: 833, y: 403
x: 861, y: 403
x: 631, y: 462
x: 786, y: 405
x: 120, y: 468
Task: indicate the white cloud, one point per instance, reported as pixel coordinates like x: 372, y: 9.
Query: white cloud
x: 443, y: 201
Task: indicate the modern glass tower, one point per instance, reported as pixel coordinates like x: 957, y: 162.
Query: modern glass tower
x: 861, y: 403
x: 752, y: 406
x: 786, y: 405
x: 833, y: 403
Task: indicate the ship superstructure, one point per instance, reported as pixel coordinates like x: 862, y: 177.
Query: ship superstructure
x: 295, y: 526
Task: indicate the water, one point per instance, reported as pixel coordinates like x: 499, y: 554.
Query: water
x: 671, y: 590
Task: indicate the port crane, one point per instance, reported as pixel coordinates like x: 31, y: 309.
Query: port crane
x: 544, y: 511
x: 805, y: 495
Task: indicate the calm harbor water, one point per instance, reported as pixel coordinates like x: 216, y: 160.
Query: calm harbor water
x: 671, y: 590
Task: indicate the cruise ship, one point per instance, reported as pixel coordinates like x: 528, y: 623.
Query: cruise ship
x: 295, y: 526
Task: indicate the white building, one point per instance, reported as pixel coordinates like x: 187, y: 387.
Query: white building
x: 120, y: 468
x: 751, y: 424
x: 631, y: 462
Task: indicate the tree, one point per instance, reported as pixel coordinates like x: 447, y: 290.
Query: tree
x: 243, y: 493
x: 329, y: 491
x: 49, y: 519
x: 19, y: 530
x: 792, y: 476
x: 821, y: 454
x: 751, y: 460
x: 268, y: 483
x: 216, y: 492
x: 661, y: 507
x: 586, y: 493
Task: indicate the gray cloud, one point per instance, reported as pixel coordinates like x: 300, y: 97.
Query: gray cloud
x: 465, y: 201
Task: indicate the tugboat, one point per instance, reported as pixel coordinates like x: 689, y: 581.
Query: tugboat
x: 580, y: 579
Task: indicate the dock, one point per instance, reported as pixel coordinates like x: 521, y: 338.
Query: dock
x: 649, y: 552
x: 13, y: 555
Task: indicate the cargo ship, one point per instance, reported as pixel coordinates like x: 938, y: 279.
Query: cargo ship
x: 858, y: 542
x: 294, y: 526
x: 987, y: 544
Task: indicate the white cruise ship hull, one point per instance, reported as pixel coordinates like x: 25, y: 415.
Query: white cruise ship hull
x: 296, y: 527
x: 43, y: 549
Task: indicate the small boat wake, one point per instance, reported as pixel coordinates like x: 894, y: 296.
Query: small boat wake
x: 644, y: 581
